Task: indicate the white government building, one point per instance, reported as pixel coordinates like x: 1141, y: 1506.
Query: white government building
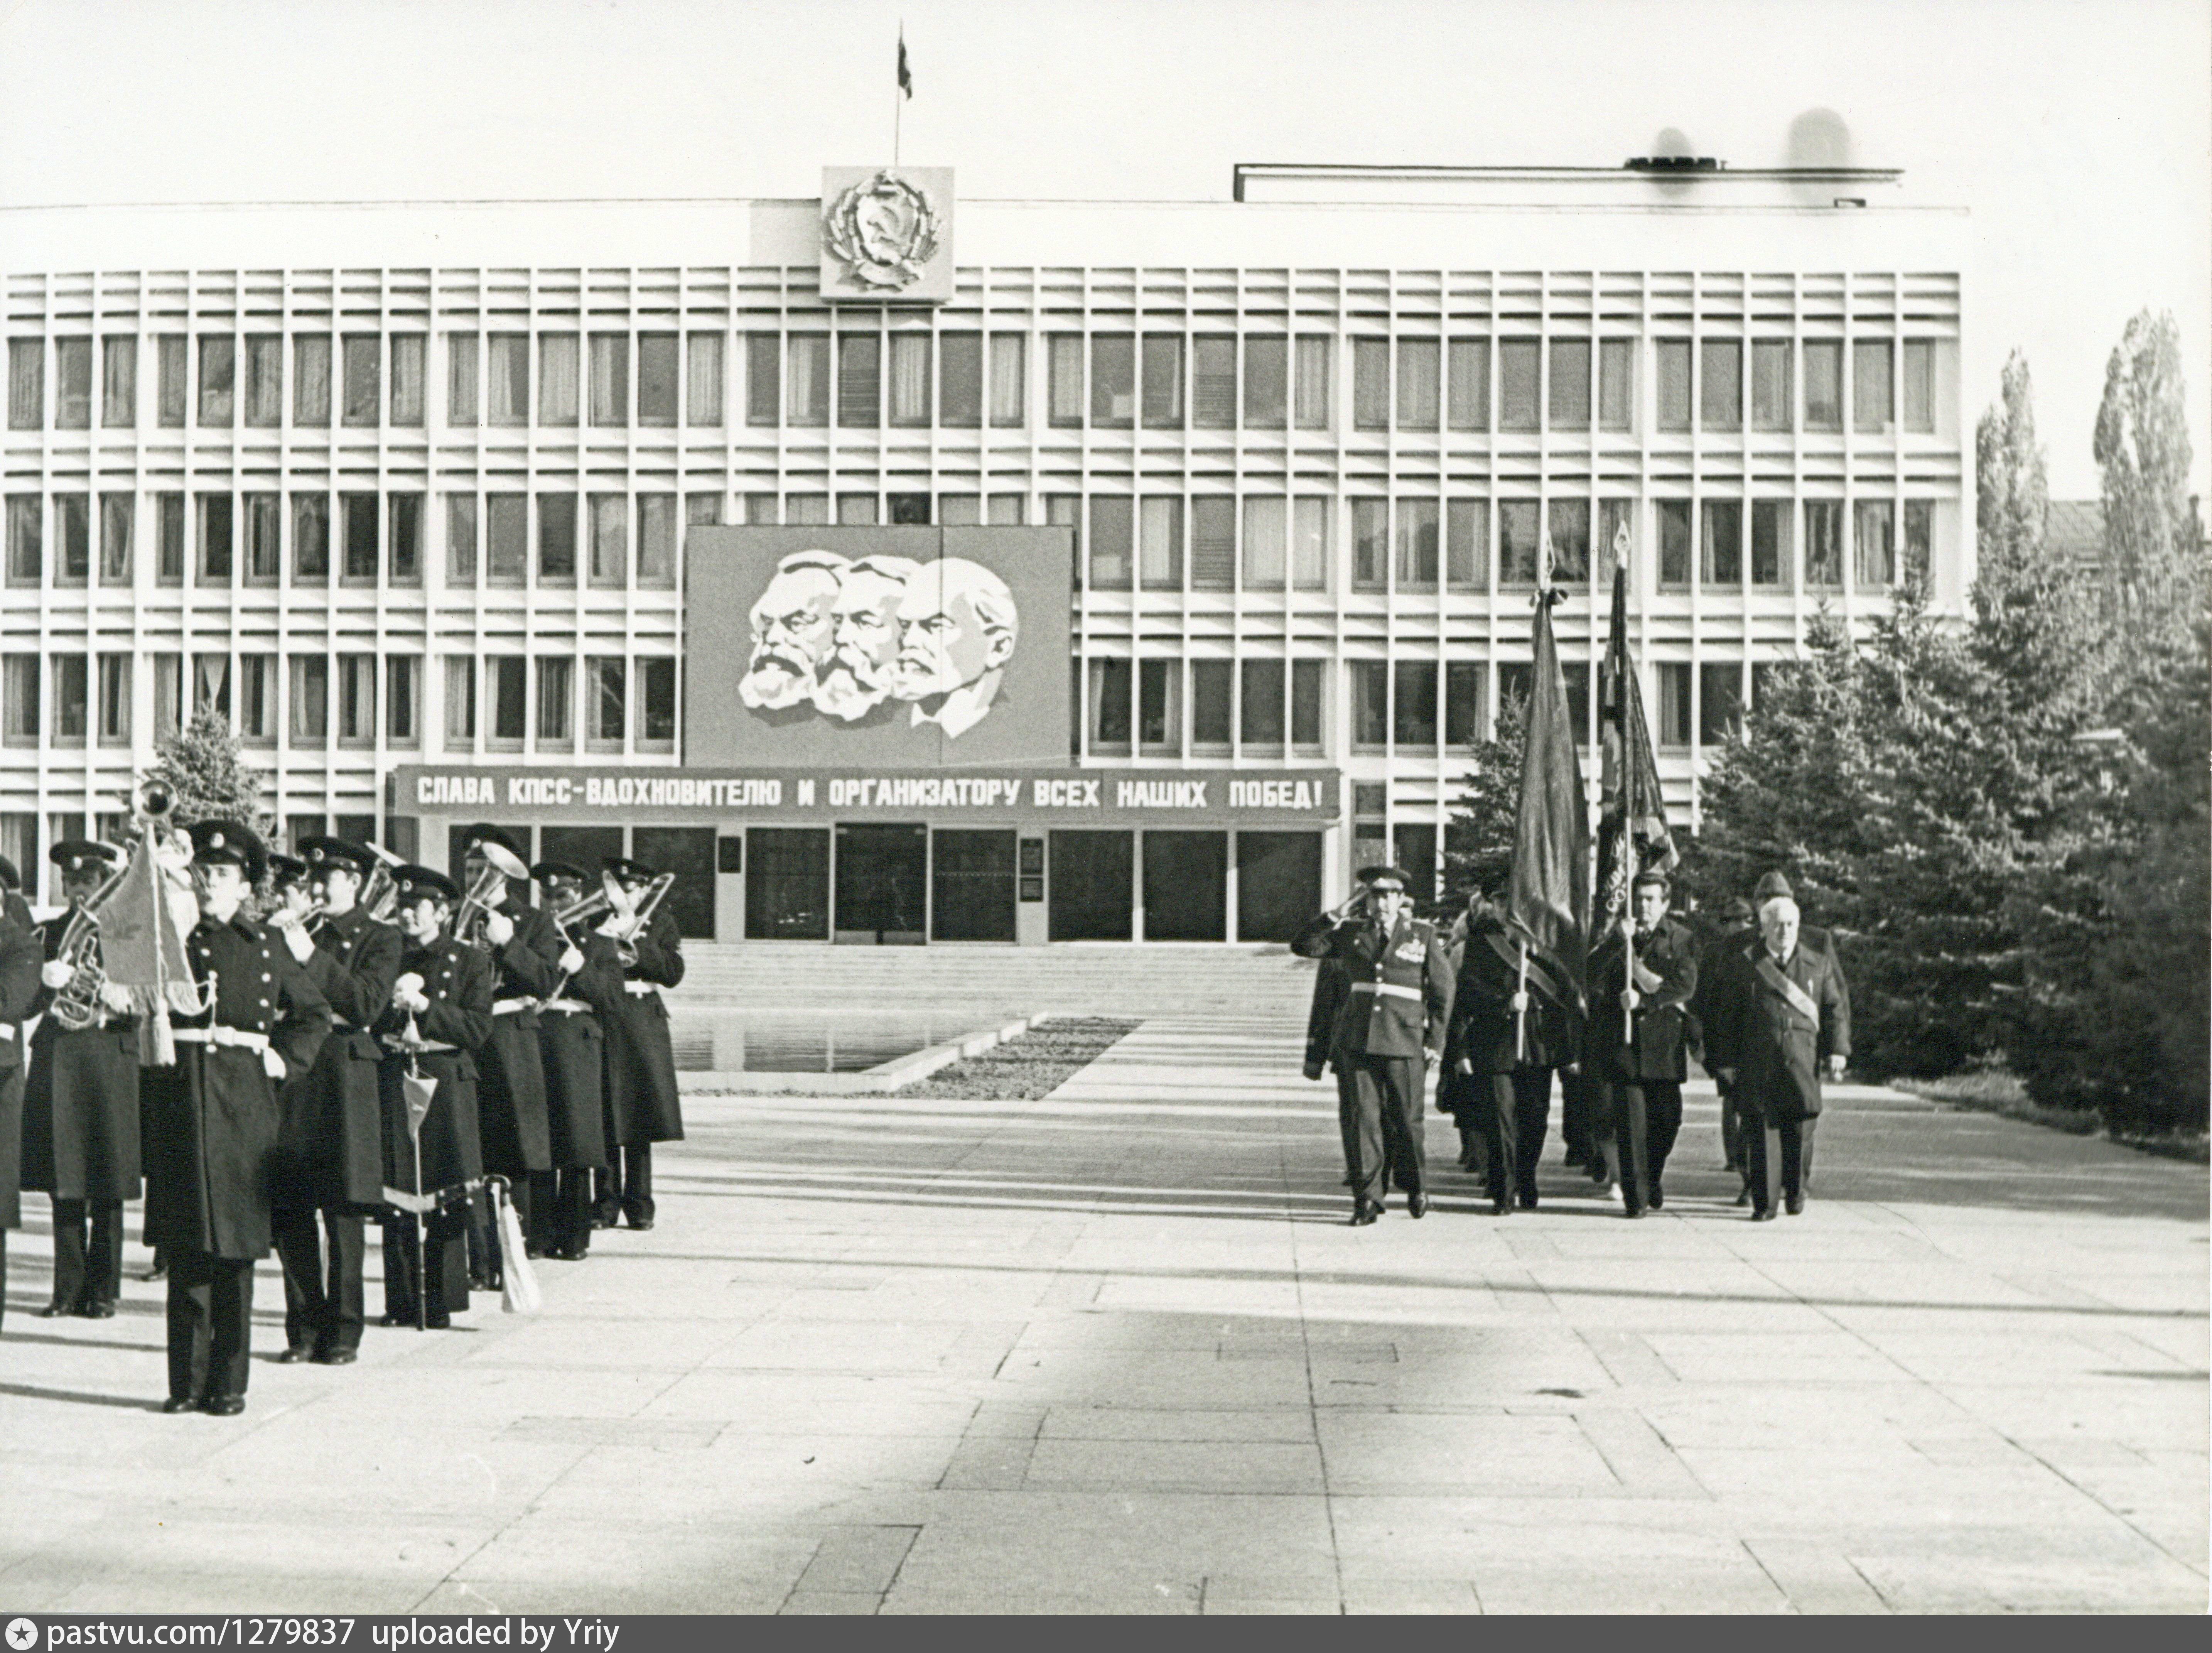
x: 406, y: 485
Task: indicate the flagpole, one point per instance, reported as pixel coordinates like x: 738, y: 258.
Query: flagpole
x: 898, y: 96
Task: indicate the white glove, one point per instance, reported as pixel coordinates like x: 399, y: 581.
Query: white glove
x: 1629, y: 1000
x: 1520, y: 1002
x: 571, y: 961
x: 499, y: 929
x: 271, y: 1063
x: 1835, y: 1067
x: 303, y: 944
x: 115, y: 997
x: 409, y: 983
x: 55, y: 973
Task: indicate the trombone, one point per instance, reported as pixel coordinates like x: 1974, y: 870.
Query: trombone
x: 635, y: 913
x: 585, y: 906
x: 500, y: 864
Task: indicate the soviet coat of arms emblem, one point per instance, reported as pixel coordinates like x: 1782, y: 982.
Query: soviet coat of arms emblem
x: 884, y: 230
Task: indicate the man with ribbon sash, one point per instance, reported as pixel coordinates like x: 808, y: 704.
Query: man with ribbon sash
x: 1784, y: 1017
x: 1390, y: 1025
x: 211, y: 1119
x: 1642, y: 975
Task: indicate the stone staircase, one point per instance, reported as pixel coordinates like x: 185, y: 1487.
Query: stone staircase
x: 1074, y: 979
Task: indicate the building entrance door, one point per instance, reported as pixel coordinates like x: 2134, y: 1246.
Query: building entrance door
x: 883, y: 882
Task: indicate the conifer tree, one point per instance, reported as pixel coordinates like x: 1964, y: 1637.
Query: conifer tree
x: 202, y: 766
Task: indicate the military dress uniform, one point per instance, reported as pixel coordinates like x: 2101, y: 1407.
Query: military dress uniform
x: 81, y: 1134
x: 211, y: 1123
x: 1390, y: 1023
x: 571, y: 1042
x: 1518, y: 1067
x: 1775, y: 1022
x: 1643, y: 1077
x: 431, y: 1259
x: 642, y: 1103
x: 20, y: 958
x: 331, y: 1171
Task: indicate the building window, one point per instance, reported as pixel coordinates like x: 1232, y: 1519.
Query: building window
x: 402, y: 694
x: 1413, y: 704
x: 1463, y: 687
x: 1310, y: 543
x: 1674, y: 554
x: 169, y: 537
x: 1919, y: 358
x: 73, y: 384
x: 609, y: 380
x: 1006, y: 510
x: 1312, y: 387
x: 703, y: 509
x: 211, y: 684
x: 765, y: 379
x: 1769, y: 544
x: 656, y: 537
x: 1570, y: 404
x: 1009, y: 379
x: 507, y: 379
x: 218, y: 379
x: 1723, y: 563
x: 558, y: 370
x: 460, y: 702
x: 73, y: 538
x: 265, y: 380
x: 1824, y: 544
x: 1108, y: 541
x: 27, y: 384
x: 1568, y: 527
x: 1872, y: 414
x: 1720, y: 703
x: 858, y: 510
x: 168, y: 694
x: 1467, y: 545
x: 1616, y: 384
x: 960, y: 510
x: 607, y: 687
x: 657, y: 705
x: 1214, y: 382
x: 256, y: 698
x: 860, y: 381
x: 506, y: 537
x: 1721, y: 388
x: 119, y: 382
x: 311, y: 539
x: 117, y: 521
x: 1419, y: 370
x: 1159, y: 548
x: 311, y: 380
x: 1371, y: 704
x: 1874, y: 544
x: 405, y: 514
x: 1064, y: 379
x: 26, y: 552
x: 960, y: 381
x: 658, y: 373
x: 1919, y: 539
x: 910, y: 380
x: 171, y: 387
x: 556, y: 539
x: 360, y: 397
x: 1672, y: 362
x: 803, y: 510
x: 72, y: 696
x: 1771, y: 396
x: 1266, y: 528
x: 264, y: 539
x: 1674, y: 704
x: 19, y: 690
x: 356, y: 700
x: 1267, y: 383
x: 1259, y: 705
x: 1370, y: 545
x: 357, y: 522
x: 1159, y: 708
x: 1615, y: 544
x: 1467, y: 382
x: 215, y: 542
x: 1824, y: 385
x: 1162, y: 368
x: 1113, y: 381
x: 703, y: 379
x: 1306, y: 679
x: 311, y: 699
x: 1415, y: 547
x: 810, y: 378
x: 1519, y: 384
x: 408, y: 353
x: 461, y: 352
x: 1110, y: 705
x: 1518, y: 542
x: 1370, y: 384
x: 460, y: 539
x: 1212, y: 684
x: 1213, y: 543
x: 610, y: 539
x: 509, y: 697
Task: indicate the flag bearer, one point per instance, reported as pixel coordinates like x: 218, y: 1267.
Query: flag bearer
x: 1641, y: 975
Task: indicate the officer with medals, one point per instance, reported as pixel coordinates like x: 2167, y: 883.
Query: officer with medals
x: 330, y: 1173
x: 20, y: 952
x: 642, y: 1106
x: 1397, y: 999
x: 573, y: 1044
x: 80, y: 1142
x: 1515, y: 1036
x: 440, y: 1015
x: 211, y: 1119
x: 511, y: 1105
x: 1641, y: 975
x: 1781, y: 1017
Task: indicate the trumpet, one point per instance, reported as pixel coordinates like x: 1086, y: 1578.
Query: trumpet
x: 485, y: 893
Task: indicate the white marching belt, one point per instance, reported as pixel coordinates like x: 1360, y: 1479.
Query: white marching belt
x: 508, y: 1006
x: 567, y: 1007
x: 428, y: 1048
x: 7, y: 1032
x: 1388, y: 989
x: 242, y: 1038
x: 638, y: 989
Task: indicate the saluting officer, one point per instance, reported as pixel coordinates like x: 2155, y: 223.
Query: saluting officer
x: 1398, y: 987
x: 440, y: 1015
x: 80, y: 1140
x: 212, y: 1120
x: 1641, y: 975
x: 643, y: 1107
x: 331, y: 1144
x: 1516, y: 1038
x: 19, y: 990
x: 526, y: 955
x: 574, y: 1046
x: 1782, y: 1016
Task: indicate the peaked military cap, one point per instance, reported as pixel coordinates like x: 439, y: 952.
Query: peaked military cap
x: 484, y: 833
x: 217, y: 843
x: 285, y: 869
x: 81, y: 855
x: 622, y: 867
x: 416, y: 881
x: 1772, y: 885
x: 1385, y: 877
x: 547, y: 870
x: 321, y: 852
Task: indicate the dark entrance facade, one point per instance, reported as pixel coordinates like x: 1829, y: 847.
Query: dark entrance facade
x: 882, y: 884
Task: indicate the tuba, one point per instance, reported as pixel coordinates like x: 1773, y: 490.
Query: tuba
x: 381, y: 893
x: 499, y: 865
x: 76, y: 1004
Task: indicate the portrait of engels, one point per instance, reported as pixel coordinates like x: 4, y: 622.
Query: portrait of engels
x: 850, y: 635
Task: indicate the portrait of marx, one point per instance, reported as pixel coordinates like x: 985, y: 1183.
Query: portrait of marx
x: 793, y: 630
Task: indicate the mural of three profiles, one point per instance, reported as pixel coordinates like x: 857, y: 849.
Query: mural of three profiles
x: 846, y: 635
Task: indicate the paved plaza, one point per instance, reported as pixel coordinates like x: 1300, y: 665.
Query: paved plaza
x: 1118, y: 1352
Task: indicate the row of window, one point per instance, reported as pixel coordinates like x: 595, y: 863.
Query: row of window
x: 71, y: 699
x: 963, y: 380
x: 1164, y: 541
x: 1166, y: 707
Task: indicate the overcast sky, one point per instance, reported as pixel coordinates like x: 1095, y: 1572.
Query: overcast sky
x: 2078, y: 131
